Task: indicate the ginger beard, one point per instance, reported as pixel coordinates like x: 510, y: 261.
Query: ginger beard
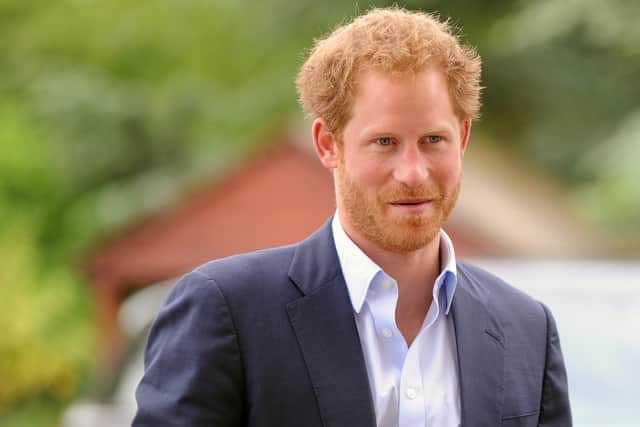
x: 372, y: 216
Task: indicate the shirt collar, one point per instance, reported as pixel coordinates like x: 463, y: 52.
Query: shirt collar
x: 449, y: 274
x: 359, y: 270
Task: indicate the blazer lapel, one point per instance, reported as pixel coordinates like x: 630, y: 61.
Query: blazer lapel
x: 325, y: 327
x: 480, y: 357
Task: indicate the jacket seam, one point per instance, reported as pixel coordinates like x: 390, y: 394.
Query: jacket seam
x: 545, y: 378
x: 234, y: 330
x: 526, y: 414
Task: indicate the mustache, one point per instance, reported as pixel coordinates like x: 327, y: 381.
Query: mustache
x: 403, y: 192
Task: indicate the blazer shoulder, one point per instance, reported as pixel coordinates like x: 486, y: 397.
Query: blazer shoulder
x: 486, y: 285
x: 264, y: 261
x: 246, y: 274
x: 499, y: 296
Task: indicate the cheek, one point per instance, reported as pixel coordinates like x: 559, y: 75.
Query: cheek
x: 365, y: 172
x: 447, y: 172
x: 372, y: 176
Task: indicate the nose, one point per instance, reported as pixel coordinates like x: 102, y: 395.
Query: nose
x: 411, y: 168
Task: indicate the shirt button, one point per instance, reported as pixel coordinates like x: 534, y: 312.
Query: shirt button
x: 387, y: 332
x: 412, y: 393
x: 387, y: 284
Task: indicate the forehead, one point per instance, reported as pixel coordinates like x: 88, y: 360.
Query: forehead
x: 421, y: 96
x: 424, y: 83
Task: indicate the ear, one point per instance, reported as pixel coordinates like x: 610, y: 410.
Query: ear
x: 325, y: 144
x: 465, y: 131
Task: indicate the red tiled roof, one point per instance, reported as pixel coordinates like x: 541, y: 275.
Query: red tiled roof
x: 278, y: 198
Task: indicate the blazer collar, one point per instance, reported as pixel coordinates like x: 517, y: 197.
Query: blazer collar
x: 480, y: 347
x: 315, y: 261
x: 324, y: 324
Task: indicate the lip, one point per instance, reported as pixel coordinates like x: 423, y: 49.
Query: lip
x: 413, y: 206
x: 410, y: 201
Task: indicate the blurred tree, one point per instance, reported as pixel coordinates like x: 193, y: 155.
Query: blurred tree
x: 570, y: 73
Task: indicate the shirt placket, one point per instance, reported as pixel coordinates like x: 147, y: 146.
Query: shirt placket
x: 384, y: 296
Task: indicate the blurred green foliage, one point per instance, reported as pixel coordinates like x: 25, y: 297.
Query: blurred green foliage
x: 43, y: 346
x: 573, y: 68
x: 109, y: 109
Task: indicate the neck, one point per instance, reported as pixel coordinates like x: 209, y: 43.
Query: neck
x: 414, y: 271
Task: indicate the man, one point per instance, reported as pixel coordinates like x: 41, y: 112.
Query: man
x: 370, y: 321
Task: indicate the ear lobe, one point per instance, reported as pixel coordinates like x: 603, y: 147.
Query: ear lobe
x: 465, y: 131
x: 325, y: 144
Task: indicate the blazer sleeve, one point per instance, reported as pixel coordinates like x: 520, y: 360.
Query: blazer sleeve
x: 193, y: 369
x: 555, y: 408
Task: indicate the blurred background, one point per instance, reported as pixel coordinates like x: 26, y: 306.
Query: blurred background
x: 139, y: 139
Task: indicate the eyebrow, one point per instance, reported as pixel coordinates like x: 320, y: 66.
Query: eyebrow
x: 379, y: 131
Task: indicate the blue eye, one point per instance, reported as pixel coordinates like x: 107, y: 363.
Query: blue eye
x: 384, y: 141
x: 434, y: 139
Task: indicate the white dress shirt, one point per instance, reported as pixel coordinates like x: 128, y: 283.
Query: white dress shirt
x: 410, y: 386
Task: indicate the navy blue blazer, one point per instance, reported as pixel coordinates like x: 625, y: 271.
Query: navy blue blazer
x: 269, y: 339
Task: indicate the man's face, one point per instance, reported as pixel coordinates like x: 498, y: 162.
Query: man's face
x: 399, y: 161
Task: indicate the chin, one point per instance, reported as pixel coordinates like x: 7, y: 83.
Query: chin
x: 408, y: 239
